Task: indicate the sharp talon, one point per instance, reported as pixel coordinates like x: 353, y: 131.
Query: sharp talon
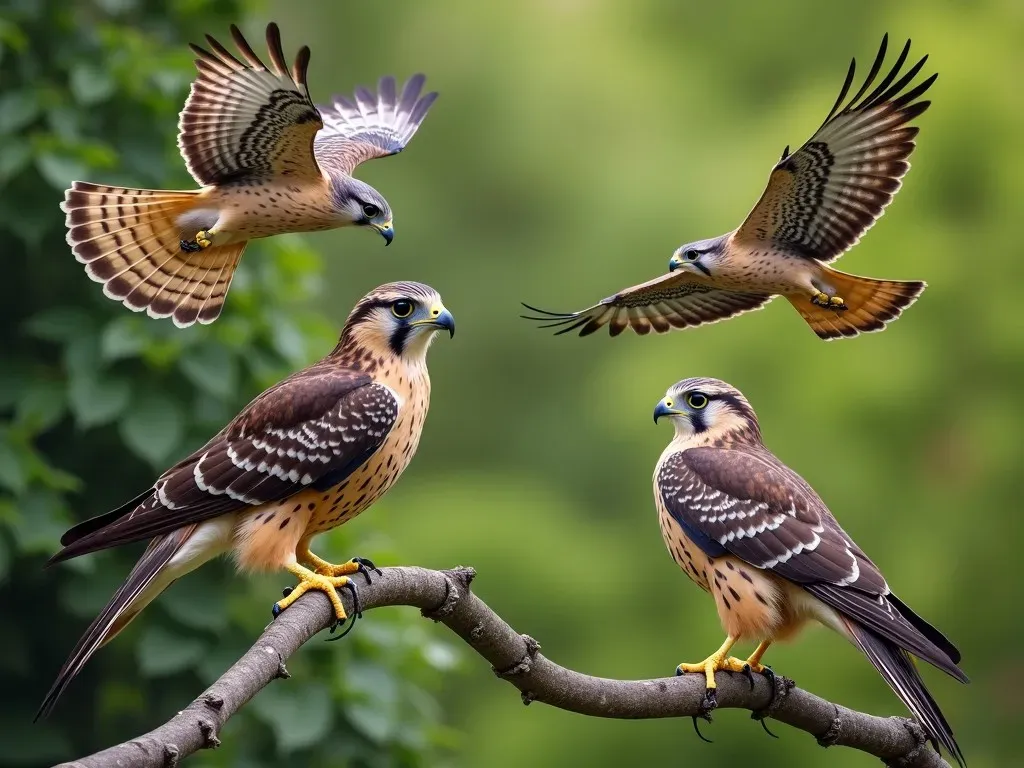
x: 696, y: 729
x: 356, y: 608
x: 366, y: 566
x: 348, y: 629
x: 276, y: 610
x: 749, y: 674
x: 709, y: 702
x: 286, y: 591
x: 765, y: 726
x: 189, y: 246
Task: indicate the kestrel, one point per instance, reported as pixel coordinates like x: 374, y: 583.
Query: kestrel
x: 751, y: 532
x: 818, y: 203
x: 269, y: 161
x: 306, y: 456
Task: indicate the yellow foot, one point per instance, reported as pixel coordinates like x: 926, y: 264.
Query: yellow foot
x: 329, y: 585
x: 363, y: 565
x: 202, y: 240
x: 829, y: 302
x: 720, y: 659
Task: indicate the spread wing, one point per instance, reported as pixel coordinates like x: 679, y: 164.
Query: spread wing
x: 371, y: 125
x: 748, y: 504
x: 823, y: 197
x: 676, y: 300
x: 310, y: 431
x: 245, y: 121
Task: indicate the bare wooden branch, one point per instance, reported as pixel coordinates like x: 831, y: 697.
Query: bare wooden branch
x: 445, y: 596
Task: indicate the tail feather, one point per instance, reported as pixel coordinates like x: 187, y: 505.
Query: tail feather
x: 897, y: 668
x: 130, y: 241
x: 871, y: 304
x: 147, y: 579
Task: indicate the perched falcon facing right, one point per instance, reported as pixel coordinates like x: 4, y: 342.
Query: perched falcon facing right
x: 269, y: 162
x: 306, y: 456
x: 751, y: 532
x: 819, y: 201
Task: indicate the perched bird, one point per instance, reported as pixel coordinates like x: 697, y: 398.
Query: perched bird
x: 819, y: 201
x: 306, y: 456
x: 269, y: 161
x: 751, y: 532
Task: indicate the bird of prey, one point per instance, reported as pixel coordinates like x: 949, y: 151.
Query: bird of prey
x: 268, y: 160
x: 751, y: 532
x: 818, y: 203
x: 306, y: 456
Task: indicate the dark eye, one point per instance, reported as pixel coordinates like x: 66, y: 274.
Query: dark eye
x: 370, y: 210
x: 696, y: 400
x: 691, y: 256
x: 401, y: 308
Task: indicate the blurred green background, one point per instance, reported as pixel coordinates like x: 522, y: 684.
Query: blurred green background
x: 574, y: 146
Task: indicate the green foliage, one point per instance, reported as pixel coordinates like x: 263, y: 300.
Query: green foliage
x: 95, y: 400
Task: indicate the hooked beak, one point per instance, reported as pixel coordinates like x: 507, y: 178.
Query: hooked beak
x: 677, y: 262
x: 440, y: 318
x: 664, y: 408
x: 674, y: 263
x: 387, y: 231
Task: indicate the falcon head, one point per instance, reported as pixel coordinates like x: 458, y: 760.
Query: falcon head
x: 398, y: 319
x: 709, y: 408
x: 359, y: 204
x: 700, y: 257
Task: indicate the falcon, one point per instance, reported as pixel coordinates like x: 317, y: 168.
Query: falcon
x: 306, y: 456
x: 753, y: 534
x: 818, y: 203
x: 268, y: 160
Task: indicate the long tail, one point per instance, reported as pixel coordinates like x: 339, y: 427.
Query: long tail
x: 130, y: 240
x: 147, y: 579
x: 897, y: 667
x: 872, y: 304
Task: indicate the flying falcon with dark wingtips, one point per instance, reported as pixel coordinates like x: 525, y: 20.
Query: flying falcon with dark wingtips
x: 819, y: 201
x: 269, y: 161
x: 751, y: 532
x: 304, y: 457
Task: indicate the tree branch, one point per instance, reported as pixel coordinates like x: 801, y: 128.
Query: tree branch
x: 445, y: 596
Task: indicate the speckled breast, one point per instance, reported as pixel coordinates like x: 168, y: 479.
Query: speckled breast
x: 687, y: 555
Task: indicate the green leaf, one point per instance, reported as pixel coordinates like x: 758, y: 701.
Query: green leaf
x: 374, y: 710
x: 121, y: 338
x: 197, y: 602
x: 300, y: 715
x: 13, y: 474
x: 41, y: 521
x: 41, y: 406
x: 98, y: 399
x: 43, y: 745
x: 59, y: 324
x: 17, y: 110
x: 211, y: 368
x: 153, y: 427
x: 91, y: 84
x: 60, y: 170
x: 161, y: 653
x: 14, y: 156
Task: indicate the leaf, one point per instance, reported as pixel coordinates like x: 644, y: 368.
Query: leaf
x: 374, y: 710
x: 197, y: 602
x: 153, y: 427
x: 42, y: 405
x: 299, y: 715
x: 161, y: 653
x: 60, y: 170
x: 122, y: 338
x: 17, y: 110
x: 59, y: 324
x: 91, y: 84
x: 97, y: 399
x: 41, y: 521
x: 211, y: 368
x: 14, y: 156
x: 43, y: 744
x: 12, y: 466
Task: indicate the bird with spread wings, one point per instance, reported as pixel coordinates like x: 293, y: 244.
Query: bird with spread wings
x: 306, y: 456
x: 753, y: 534
x: 269, y: 161
x: 818, y: 203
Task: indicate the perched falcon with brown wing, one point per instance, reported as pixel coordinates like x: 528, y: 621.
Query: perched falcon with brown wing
x: 304, y: 457
x: 819, y: 201
x: 751, y: 532
x: 269, y: 161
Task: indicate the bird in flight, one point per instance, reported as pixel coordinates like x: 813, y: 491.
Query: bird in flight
x: 818, y: 203
x: 753, y: 534
x: 306, y: 456
x: 268, y: 160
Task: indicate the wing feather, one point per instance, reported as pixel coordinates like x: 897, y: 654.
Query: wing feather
x: 311, y: 431
x: 246, y: 121
x: 822, y: 198
x: 373, y: 125
x: 676, y: 300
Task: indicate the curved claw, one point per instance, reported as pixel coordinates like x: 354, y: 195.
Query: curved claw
x: 707, y: 704
x: 365, y: 567
x: 357, y: 611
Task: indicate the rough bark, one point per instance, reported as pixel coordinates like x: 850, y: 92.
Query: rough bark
x: 445, y: 596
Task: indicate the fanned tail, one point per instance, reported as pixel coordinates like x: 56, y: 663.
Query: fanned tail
x: 130, y: 241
